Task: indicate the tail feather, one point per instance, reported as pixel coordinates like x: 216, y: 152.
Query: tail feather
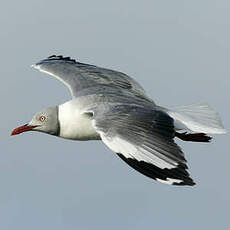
x: 197, y: 118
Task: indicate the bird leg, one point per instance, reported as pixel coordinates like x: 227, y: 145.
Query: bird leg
x: 196, y: 137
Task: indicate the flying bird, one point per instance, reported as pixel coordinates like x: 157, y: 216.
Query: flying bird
x: 110, y: 106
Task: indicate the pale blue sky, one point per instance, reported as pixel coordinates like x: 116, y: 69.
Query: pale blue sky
x: 179, y: 51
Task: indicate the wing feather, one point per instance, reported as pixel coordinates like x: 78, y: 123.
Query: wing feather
x: 143, y: 138
x: 78, y: 76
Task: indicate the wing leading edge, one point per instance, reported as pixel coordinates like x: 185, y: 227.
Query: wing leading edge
x: 78, y: 76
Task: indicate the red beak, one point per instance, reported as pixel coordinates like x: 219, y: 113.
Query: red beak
x: 22, y: 129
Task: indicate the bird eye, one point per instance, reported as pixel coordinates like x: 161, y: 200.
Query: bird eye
x: 42, y: 118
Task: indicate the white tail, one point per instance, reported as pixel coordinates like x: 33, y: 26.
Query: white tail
x: 198, y: 118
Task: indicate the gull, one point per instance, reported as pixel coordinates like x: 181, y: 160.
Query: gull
x: 110, y: 106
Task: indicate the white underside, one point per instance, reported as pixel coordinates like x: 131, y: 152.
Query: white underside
x: 74, y: 124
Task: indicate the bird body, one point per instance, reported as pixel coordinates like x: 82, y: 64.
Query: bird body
x: 74, y: 123
x: 110, y: 106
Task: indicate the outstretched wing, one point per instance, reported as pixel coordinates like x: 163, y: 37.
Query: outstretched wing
x: 78, y: 76
x: 143, y: 138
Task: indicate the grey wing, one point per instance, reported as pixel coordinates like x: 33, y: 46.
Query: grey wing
x: 78, y: 76
x: 143, y: 138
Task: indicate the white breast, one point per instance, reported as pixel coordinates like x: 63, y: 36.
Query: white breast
x: 74, y: 124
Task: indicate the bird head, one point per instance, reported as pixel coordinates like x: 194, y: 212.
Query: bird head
x: 45, y: 121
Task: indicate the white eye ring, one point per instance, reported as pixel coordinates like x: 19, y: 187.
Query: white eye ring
x: 42, y: 118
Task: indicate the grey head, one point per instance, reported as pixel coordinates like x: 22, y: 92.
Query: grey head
x: 45, y: 121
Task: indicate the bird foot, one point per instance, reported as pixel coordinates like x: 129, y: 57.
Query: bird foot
x: 195, y: 137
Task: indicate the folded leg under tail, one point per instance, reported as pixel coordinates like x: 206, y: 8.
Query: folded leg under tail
x: 195, y: 137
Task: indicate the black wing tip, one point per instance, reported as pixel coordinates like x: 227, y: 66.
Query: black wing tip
x: 181, y: 182
x: 60, y: 57
x: 175, y: 176
x: 188, y: 182
x: 55, y: 59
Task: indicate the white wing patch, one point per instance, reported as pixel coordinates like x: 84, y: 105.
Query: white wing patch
x: 170, y: 181
x: 129, y: 150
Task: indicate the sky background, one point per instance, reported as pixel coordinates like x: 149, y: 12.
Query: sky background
x: 179, y: 51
